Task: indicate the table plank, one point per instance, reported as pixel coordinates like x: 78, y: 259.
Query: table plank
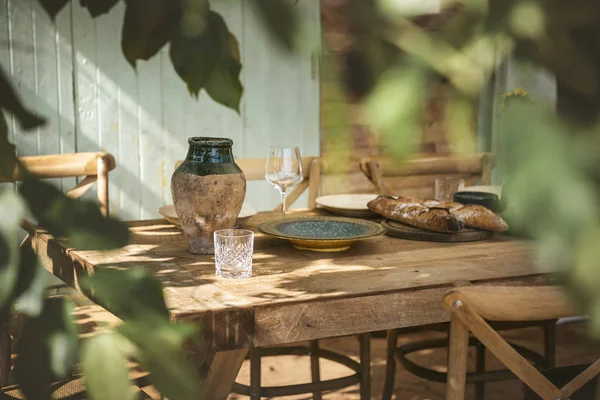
x: 294, y: 295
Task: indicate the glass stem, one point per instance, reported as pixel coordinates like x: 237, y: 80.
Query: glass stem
x: 283, y: 203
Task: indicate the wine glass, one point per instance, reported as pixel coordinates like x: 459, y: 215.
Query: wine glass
x: 284, y: 170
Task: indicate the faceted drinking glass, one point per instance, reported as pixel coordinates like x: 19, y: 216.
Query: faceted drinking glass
x: 233, y: 253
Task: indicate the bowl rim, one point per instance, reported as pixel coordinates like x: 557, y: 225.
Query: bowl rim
x: 269, y: 228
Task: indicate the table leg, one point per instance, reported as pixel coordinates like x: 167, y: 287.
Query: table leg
x: 218, y: 371
x: 365, y: 366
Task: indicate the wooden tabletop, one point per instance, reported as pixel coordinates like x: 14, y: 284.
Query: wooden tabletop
x: 380, y: 283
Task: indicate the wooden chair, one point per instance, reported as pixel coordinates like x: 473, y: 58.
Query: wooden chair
x: 416, y: 177
x: 92, y: 167
x: 254, y: 170
x: 472, y: 307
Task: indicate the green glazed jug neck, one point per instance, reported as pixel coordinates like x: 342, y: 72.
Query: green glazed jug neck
x: 210, y: 150
x: 209, y: 156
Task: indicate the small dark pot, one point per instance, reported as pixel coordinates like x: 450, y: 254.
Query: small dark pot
x: 488, y: 200
x: 208, y: 191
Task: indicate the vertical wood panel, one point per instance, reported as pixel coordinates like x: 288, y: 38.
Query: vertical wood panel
x: 86, y: 91
x: 47, y: 90
x: 174, y: 136
x: 106, y: 48
x: 64, y: 80
x: 280, y: 94
x: 129, y: 143
x: 151, y: 137
x: 23, y: 68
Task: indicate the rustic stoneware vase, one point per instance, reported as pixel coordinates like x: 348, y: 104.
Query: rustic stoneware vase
x: 208, y: 191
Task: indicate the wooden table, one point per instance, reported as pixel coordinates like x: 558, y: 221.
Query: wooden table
x: 378, y: 284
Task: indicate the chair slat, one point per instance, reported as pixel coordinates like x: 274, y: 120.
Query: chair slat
x: 390, y: 176
x: 63, y: 165
x: 518, y: 304
x: 82, y: 187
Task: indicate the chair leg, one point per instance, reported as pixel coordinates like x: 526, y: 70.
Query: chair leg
x: 314, y: 366
x: 390, y: 365
x: 457, y: 360
x: 480, y: 367
x: 365, y: 366
x: 255, y: 366
x: 550, y: 344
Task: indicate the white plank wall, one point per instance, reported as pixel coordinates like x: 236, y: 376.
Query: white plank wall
x: 73, y: 72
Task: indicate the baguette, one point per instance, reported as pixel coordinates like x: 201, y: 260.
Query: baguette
x: 479, y: 217
x: 417, y: 215
x: 473, y: 215
x: 470, y: 215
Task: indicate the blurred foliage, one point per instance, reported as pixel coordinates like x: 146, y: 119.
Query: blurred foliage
x: 547, y: 156
x: 549, y: 159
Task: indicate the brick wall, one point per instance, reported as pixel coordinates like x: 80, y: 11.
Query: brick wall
x: 340, y: 113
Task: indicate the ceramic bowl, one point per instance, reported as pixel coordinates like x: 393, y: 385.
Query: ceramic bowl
x: 322, y: 233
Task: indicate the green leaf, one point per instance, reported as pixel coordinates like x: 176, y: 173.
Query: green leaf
x: 53, y: 7
x: 127, y: 293
x: 79, y: 220
x: 105, y: 369
x: 161, y: 351
x: 11, y: 103
x: 210, y: 61
x: 136, y: 297
x: 223, y: 84
x: 12, y: 209
x: 280, y: 19
x: 193, y: 21
x: 98, y: 7
x: 31, y: 284
x: 394, y: 108
x: 148, y: 26
x: 47, y: 349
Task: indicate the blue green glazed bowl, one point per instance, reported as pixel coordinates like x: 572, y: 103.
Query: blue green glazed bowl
x: 322, y: 233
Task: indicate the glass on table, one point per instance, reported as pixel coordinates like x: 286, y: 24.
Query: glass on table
x: 284, y: 170
x: 446, y: 186
x: 233, y: 253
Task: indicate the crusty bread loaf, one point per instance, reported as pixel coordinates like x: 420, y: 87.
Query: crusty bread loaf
x: 479, y: 217
x: 417, y: 215
x: 428, y: 214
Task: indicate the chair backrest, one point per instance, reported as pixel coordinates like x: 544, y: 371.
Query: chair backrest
x: 470, y: 307
x: 416, y: 177
x: 93, y: 167
x: 254, y: 170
